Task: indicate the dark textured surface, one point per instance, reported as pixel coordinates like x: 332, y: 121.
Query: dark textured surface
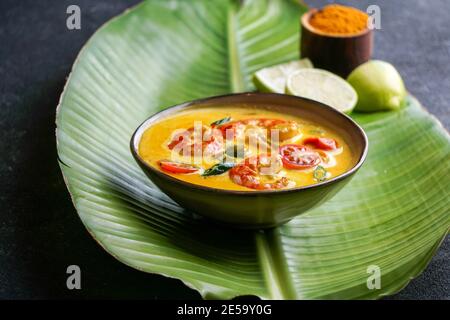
x: 40, y: 232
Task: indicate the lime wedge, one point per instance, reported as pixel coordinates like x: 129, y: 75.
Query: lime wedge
x: 273, y: 79
x: 323, y: 86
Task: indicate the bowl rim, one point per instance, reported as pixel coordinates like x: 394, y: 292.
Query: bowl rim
x: 359, y: 163
x: 305, y: 23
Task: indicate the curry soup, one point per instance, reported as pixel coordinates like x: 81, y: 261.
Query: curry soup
x: 215, y: 147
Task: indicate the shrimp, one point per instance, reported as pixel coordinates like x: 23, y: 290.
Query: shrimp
x: 258, y: 173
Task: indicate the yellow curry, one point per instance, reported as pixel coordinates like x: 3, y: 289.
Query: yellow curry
x: 237, y: 148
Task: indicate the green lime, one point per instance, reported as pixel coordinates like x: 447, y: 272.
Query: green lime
x: 322, y: 86
x: 379, y: 86
x: 273, y: 79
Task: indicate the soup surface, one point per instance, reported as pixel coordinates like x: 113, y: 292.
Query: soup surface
x: 241, y: 148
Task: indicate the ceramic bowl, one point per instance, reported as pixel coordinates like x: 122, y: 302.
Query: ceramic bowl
x: 257, y: 209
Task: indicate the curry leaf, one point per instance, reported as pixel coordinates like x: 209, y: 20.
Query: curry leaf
x: 217, y: 169
x: 220, y: 122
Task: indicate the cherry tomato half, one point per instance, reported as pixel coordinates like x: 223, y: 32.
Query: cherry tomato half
x: 297, y: 157
x: 176, y: 167
x: 322, y: 143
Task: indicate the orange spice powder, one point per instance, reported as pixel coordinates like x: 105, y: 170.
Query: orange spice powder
x: 338, y: 19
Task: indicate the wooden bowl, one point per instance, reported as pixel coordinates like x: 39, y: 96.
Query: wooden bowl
x: 340, y: 54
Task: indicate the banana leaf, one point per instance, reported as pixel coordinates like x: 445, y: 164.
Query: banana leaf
x: 392, y: 215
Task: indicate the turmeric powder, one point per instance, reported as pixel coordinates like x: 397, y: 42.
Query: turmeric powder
x: 338, y: 19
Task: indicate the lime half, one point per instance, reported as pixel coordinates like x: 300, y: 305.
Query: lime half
x: 273, y: 79
x: 323, y: 86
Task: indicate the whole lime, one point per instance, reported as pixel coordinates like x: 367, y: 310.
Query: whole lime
x: 379, y: 86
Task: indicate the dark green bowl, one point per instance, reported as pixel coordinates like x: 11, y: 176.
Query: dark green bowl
x: 257, y: 209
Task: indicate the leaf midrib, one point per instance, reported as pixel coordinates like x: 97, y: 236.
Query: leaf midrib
x: 273, y: 265
x: 271, y: 258
x: 235, y: 74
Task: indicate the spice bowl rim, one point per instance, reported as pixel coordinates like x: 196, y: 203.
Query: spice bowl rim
x: 305, y: 23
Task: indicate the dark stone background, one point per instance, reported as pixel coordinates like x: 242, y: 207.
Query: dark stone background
x: 40, y: 232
